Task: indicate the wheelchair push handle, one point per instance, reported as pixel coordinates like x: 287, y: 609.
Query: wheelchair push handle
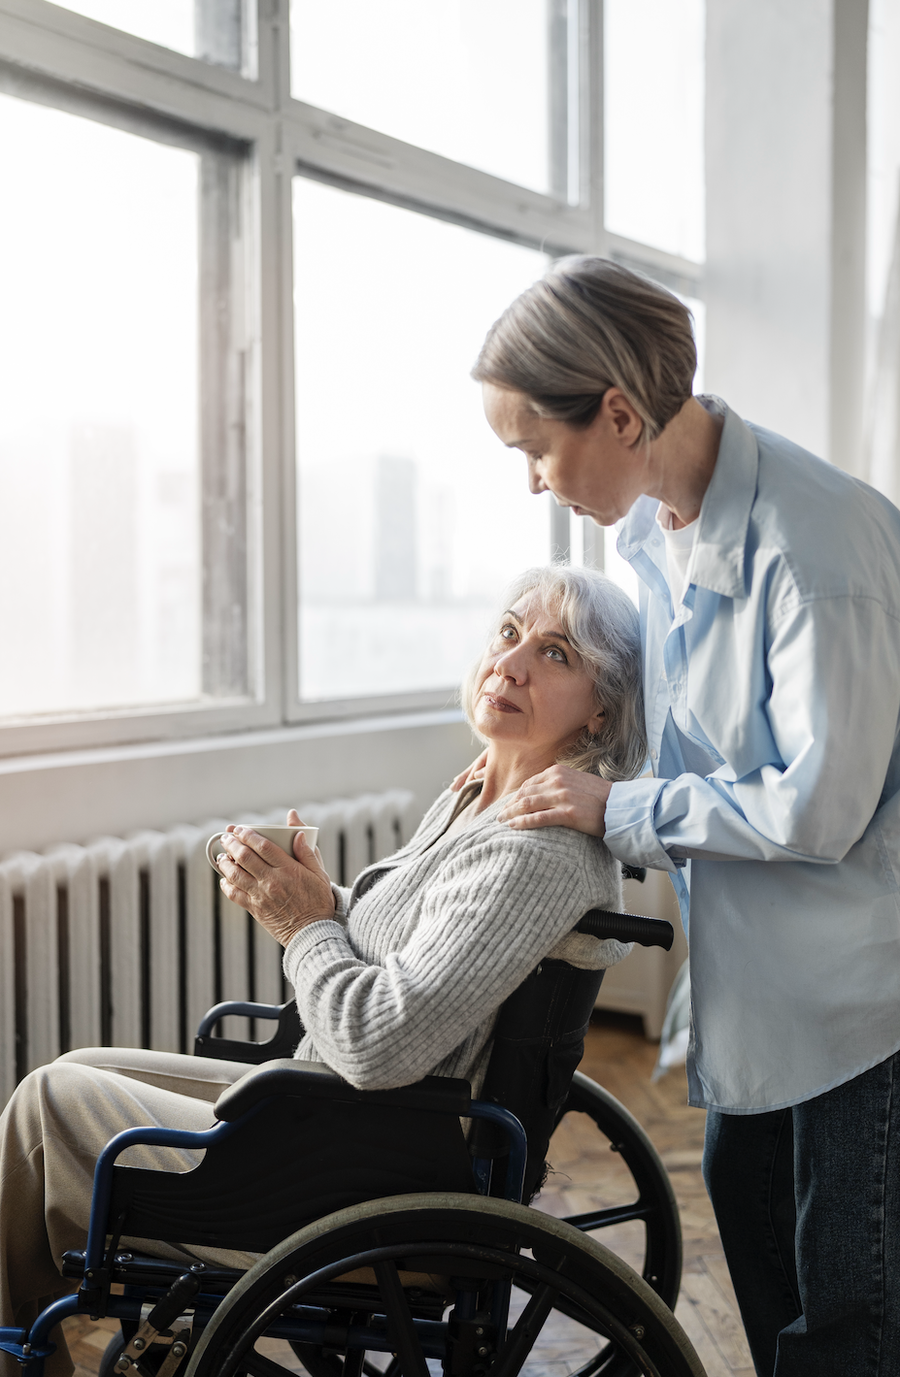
x: 627, y: 927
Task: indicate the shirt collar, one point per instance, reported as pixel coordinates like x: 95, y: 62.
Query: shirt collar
x: 718, y: 560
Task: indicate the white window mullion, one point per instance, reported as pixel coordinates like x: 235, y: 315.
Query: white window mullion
x: 680, y: 275
x: 337, y: 150
x: 43, y: 38
x: 279, y: 517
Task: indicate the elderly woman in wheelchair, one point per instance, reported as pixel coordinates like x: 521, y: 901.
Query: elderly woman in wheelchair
x: 398, y: 983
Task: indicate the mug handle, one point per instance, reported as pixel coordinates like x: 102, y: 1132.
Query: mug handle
x: 209, y: 850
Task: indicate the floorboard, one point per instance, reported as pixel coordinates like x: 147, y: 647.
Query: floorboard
x: 619, y: 1057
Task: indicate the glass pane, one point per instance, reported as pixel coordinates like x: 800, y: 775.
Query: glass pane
x: 413, y: 516
x: 464, y: 78
x: 210, y: 29
x: 100, y: 552
x: 654, y: 93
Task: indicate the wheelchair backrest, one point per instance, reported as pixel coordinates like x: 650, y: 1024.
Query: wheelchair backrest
x: 538, y: 1043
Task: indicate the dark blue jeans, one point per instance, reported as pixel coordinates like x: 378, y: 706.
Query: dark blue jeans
x: 807, y: 1201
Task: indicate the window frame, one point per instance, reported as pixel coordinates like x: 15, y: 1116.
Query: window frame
x: 81, y: 65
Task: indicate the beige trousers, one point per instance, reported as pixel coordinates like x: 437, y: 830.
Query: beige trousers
x: 51, y: 1134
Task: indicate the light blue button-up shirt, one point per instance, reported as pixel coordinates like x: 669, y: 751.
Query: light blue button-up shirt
x: 773, y: 705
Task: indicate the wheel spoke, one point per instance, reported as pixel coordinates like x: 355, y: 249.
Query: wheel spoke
x: 604, y: 1219
x: 399, y: 1321
x: 354, y: 1361
x: 316, y: 1362
x: 523, y: 1336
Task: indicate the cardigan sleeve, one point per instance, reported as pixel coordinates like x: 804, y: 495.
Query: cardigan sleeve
x: 490, y: 914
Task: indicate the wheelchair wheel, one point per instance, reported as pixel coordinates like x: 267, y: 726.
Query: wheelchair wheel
x: 636, y: 1214
x: 111, y: 1355
x: 429, y: 1277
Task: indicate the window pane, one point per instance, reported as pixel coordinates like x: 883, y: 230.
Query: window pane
x: 653, y: 95
x: 464, y: 78
x: 413, y: 516
x: 210, y: 29
x: 100, y: 552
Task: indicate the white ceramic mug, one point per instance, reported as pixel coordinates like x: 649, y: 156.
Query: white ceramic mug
x: 281, y: 836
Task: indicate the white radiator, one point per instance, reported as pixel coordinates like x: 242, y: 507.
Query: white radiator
x: 127, y: 941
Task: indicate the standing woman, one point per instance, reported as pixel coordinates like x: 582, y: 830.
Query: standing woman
x: 770, y: 616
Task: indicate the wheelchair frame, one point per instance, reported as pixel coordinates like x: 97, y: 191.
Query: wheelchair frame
x: 323, y: 1310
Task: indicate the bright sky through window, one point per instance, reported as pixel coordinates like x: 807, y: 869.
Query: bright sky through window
x: 654, y: 99
x: 413, y: 517
x: 98, y: 429
x: 464, y: 78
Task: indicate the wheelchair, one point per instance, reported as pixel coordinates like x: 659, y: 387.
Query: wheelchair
x: 410, y: 1246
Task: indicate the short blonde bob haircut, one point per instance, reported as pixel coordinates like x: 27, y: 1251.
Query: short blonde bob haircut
x: 589, y: 324
x: 601, y: 623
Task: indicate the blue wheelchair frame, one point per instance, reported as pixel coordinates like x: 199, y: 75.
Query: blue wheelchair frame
x: 32, y: 1347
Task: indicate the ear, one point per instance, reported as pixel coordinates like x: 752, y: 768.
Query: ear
x: 619, y: 414
x: 596, y: 723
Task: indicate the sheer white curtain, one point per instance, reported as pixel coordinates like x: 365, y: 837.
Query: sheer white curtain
x: 882, y: 429
x: 883, y: 432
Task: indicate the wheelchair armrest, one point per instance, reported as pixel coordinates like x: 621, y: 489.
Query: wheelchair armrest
x: 285, y: 1076
x: 282, y: 1043
x: 239, y: 1007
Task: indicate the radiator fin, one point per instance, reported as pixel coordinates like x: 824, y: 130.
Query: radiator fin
x: 127, y: 941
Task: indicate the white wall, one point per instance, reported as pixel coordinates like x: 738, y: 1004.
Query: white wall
x: 785, y: 166
x: 75, y: 795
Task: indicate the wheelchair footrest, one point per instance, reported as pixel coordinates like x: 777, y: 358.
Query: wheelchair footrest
x: 15, y: 1342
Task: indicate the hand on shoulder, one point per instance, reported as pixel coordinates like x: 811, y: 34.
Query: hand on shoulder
x: 559, y: 797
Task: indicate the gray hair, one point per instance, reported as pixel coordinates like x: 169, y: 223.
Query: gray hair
x: 602, y: 625
x: 588, y: 325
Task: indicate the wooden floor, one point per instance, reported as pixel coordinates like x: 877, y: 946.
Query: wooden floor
x: 618, y: 1056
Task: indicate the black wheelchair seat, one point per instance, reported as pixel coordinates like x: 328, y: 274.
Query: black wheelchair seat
x: 304, y: 1144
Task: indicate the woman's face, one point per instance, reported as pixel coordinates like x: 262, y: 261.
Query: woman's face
x: 532, y: 690
x: 598, y: 471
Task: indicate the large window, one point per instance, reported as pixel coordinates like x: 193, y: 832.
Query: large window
x: 99, y: 464
x: 409, y: 520
x: 250, y: 254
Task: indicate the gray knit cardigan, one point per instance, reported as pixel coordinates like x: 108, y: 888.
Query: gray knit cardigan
x: 406, y: 980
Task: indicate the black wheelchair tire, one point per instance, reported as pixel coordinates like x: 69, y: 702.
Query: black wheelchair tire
x: 564, y: 1272
x: 111, y: 1355
x: 654, y: 1201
